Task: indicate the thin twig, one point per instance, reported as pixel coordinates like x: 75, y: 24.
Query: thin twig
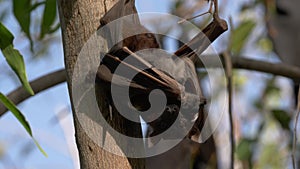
x: 228, y: 70
x: 295, y: 131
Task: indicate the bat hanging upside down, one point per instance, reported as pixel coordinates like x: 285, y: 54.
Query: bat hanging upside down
x: 153, y: 77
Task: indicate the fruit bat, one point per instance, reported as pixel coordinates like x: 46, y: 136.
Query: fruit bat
x: 152, y: 77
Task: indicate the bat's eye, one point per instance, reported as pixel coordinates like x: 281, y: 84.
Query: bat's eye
x: 175, y: 109
x: 168, y: 109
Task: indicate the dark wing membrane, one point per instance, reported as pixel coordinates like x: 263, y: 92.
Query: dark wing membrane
x: 202, y: 40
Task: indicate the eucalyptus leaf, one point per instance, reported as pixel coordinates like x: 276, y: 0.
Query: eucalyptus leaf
x: 21, y: 118
x: 39, y: 147
x: 282, y: 117
x: 22, y: 11
x: 13, y: 57
x: 265, y: 44
x: 49, y: 17
x: 240, y: 35
x: 6, y: 37
x: 16, y: 112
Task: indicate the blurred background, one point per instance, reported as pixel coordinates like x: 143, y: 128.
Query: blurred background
x: 264, y: 104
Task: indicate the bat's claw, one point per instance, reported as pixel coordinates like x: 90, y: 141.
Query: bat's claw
x: 210, y: 11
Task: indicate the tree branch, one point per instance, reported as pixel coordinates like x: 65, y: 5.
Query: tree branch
x: 280, y: 69
x: 38, y: 85
x: 240, y: 62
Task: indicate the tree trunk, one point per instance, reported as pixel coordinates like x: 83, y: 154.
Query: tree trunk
x: 79, y: 20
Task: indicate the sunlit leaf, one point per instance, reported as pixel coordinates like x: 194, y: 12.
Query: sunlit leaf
x: 40, y: 148
x: 48, y: 17
x: 13, y: 57
x: 240, y: 35
x: 21, y: 118
x: 282, y: 117
x: 238, y: 80
x: 16, y: 112
x: 271, y: 157
x: 265, y: 44
x: 16, y: 62
x: 22, y: 10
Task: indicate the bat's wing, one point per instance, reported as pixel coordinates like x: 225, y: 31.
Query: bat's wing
x: 105, y: 75
x: 118, y: 36
x: 202, y: 40
x: 144, y: 81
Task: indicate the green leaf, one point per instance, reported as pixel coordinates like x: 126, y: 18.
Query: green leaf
x: 21, y: 118
x: 39, y: 147
x: 16, y: 62
x: 48, y: 17
x: 282, y: 117
x: 13, y: 57
x: 240, y: 35
x: 244, y: 149
x: 22, y: 10
x: 265, y: 44
x: 16, y: 112
x: 272, y: 88
x: 6, y: 37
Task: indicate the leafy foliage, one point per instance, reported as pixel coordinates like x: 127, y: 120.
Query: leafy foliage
x: 22, y: 10
x: 16, y: 62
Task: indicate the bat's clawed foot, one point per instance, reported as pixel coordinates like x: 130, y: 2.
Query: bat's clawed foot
x: 211, y: 11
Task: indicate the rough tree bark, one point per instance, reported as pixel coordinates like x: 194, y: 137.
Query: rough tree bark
x: 79, y: 20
